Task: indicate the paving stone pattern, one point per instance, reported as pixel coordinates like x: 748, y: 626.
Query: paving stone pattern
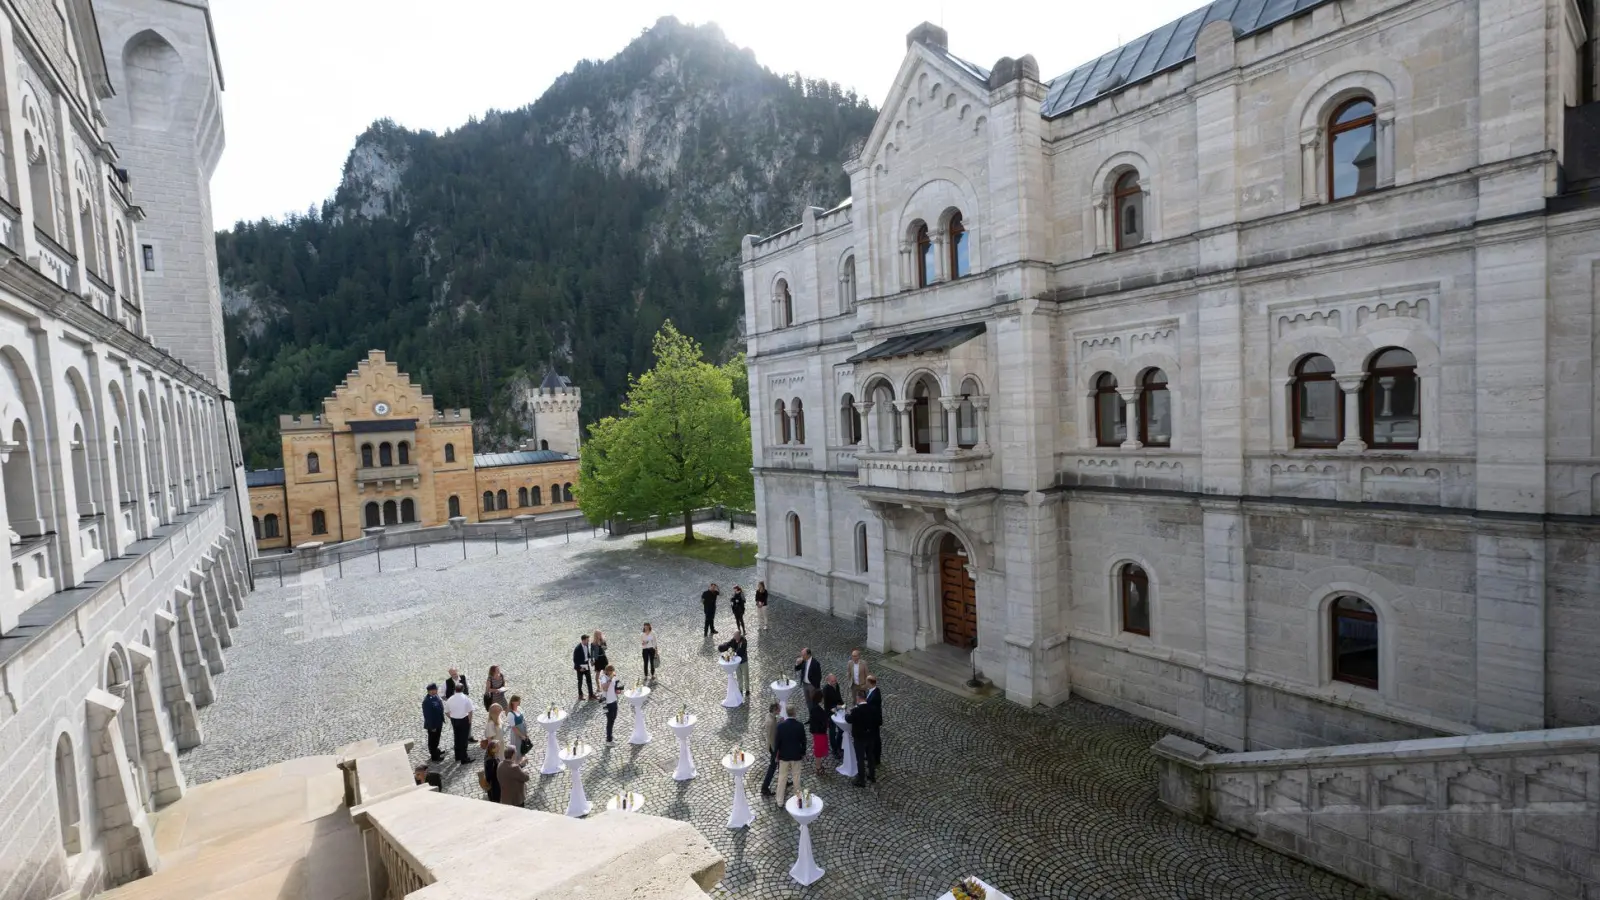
x: 1056, y: 803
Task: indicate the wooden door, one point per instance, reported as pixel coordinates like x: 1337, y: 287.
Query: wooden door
x: 958, y: 600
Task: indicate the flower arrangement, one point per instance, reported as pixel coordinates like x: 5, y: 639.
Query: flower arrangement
x: 737, y: 754
x: 683, y: 712
x: 550, y: 713
x: 968, y: 889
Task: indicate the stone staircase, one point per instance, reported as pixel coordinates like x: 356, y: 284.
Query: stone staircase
x: 944, y: 666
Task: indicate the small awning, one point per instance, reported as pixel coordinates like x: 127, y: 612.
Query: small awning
x: 921, y: 342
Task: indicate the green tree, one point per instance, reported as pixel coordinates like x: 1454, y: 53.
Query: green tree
x: 682, y: 443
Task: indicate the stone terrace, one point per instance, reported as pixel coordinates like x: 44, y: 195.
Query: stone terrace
x: 1041, y: 803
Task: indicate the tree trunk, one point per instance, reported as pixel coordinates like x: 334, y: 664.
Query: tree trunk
x: 688, y: 527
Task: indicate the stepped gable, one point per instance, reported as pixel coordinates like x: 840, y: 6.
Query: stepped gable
x: 376, y: 379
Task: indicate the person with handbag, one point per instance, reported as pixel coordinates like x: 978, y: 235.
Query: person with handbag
x: 518, y: 732
x: 648, y: 642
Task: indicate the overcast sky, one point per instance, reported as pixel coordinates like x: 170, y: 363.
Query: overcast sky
x: 304, y: 77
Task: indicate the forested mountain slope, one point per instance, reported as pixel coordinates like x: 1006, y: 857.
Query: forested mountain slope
x: 560, y: 234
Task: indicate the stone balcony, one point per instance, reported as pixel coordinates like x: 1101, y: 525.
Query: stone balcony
x: 789, y: 456
x: 377, y: 476
x: 937, y: 473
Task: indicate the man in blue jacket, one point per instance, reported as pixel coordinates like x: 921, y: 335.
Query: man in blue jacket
x: 433, y: 721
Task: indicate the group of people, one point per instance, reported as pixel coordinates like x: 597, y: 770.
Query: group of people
x: 786, y: 736
x: 506, y: 737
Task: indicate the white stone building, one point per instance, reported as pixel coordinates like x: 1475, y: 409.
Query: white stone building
x: 125, y: 556
x: 1243, y: 378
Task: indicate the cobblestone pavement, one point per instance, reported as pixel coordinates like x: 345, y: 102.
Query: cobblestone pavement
x: 1053, y: 803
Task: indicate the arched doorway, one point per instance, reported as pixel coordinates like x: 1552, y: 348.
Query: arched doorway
x: 958, y: 594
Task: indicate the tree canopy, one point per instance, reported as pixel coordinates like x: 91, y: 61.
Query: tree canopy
x: 681, y: 444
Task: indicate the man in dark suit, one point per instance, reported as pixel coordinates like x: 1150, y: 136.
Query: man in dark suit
x: 832, y: 700
x: 580, y: 664
x: 875, y: 700
x: 433, y: 721
x: 455, y: 682
x: 741, y: 649
x: 708, y: 600
x: 864, y: 730
x: 810, y: 674
x: 791, y: 737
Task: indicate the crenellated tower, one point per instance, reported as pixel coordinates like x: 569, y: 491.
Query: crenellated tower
x: 556, y: 403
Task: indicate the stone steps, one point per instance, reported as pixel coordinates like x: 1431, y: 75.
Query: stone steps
x: 941, y: 666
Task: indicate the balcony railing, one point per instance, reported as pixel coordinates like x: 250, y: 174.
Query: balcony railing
x: 33, y: 570
x: 380, y: 474
x: 965, y: 470
x: 789, y: 456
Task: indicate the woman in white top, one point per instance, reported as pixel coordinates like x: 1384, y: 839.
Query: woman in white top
x: 609, y: 687
x: 648, y: 642
x: 498, y: 725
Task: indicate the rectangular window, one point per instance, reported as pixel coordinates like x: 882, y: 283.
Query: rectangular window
x: 148, y: 254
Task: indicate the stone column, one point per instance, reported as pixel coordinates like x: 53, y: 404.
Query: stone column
x: 864, y: 410
x: 195, y: 669
x: 952, y: 445
x: 186, y: 731
x: 904, y: 409
x: 160, y: 757
x: 1130, y: 400
x: 907, y: 274
x: 981, y: 405
x: 1351, y: 385
x: 1101, y: 231
x: 129, y: 850
x: 1310, y: 182
x: 1385, y: 146
x: 794, y: 427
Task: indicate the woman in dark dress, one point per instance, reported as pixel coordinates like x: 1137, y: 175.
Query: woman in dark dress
x: 818, y: 726
x: 736, y: 603
x: 494, y: 688
x: 491, y: 770
x: 598, y: 650
x: 761, y: 604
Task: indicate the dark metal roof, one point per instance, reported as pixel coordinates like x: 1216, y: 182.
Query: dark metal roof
x: 920, y: 342
x: 517, y: 458
x: 384, y: 425
x: 971, y: 68
x: 552, y: 380
x: 263, y: 477
x: 1167, y: 47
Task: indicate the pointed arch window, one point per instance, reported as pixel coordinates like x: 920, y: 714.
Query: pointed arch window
x: 1317, y: 408
x: 1392, y: 401
x: 927, y: 263
x: 1128, y: 201
x: 1155, y: 410
x: 1110, y: 413
x: 319, y: 522
x: 1353, y: 149
x: 960, y: 244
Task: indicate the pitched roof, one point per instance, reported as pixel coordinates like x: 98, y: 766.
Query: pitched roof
x: 920, y: 342
x: 1167, y: 47
x: 552, y: 380
x: 517, y: 458
x: 263, y: 477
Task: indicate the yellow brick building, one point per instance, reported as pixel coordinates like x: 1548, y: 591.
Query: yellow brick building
x: 380, y: 454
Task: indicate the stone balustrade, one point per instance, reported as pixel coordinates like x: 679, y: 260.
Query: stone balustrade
x: 1509, y: 814
x: 943, y: 473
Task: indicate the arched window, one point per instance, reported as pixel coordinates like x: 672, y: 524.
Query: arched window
x: 408, y: 510
x: 67, y: 801
x: 385, y: 454
x: 793, y: 523
x: 885, y: 420
x: 799, y: 411
x: 453, y: 505
x: 1318, y: 412
x: 500, y: 500
x: 1110, y: 413
x: 391, y: 513
x: 967, y: 416
x: 405, y: 453
x: 927, y: 416
x: 1133, y: 595
x: 313, y: 463
x: 861, y: 548
x: 849, y: 421
x: 1352, y: 149
x: 256, y: 521
x: 449, y: 452
x: 847, y: 284
x: 782, y: 304
x: 269, y: 525
x: 80, y: 473
x: 927, y: 265
x: 488, y: 501
x: 1392, y: 406
x: 1128, y: 201
x: 535, y: 499
x: 960, y: 257
x: 1355, y: 641
x: 522, y: 496
x: 1155, y: 410
x: 374, y: 515
x: 781, y: 410
x: 319, y: 522
x: 22, y: 506
x: 544, y: 445
x: 40, y: 181
x: 366, y: 456
x: 555, y: 493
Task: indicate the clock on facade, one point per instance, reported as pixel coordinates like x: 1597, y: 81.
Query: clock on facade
x: 380, y: 408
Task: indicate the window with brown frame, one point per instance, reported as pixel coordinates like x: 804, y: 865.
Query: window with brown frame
x: 794, y: 535
x: 449, y: 453
x: 1133, y: 588
x: 1128, y: 202
x: 849, y: 421
x: 319, y: 522
x: 366, y: 456
x: 1110, y: 413
x: 1352, y: 149
x: 927, y: 266
x: 1318, y: 408
x: 1155, y: 410
x: 313, y: 464
x: 960, y: 259
x: 1355, y: 641
x: 1391, y: 405
x: 799, y: 410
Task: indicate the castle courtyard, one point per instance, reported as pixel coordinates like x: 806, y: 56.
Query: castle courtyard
x: 1039, y: 802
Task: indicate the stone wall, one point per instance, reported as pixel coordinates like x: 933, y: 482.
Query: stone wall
x: 1439, y: 819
